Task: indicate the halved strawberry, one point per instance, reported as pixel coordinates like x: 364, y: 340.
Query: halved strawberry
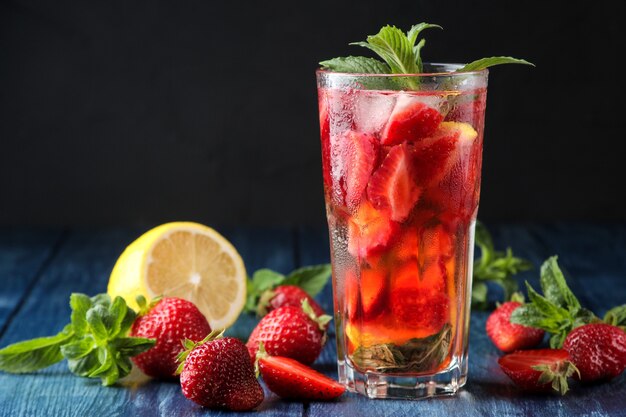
x: 410, y: 120
x: 539, y: 370
x: 290, y: 379
x: 369, y: 230
x: 392, y: 185
x: 358, y: 155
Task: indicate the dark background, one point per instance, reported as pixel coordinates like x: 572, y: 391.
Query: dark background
x: 142, y: 112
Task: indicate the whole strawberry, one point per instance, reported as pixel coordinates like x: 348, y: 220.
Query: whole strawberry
x: 507, y: 336
x: 285, y: 295
x: 170, y: 321
x: 598, y: 350
x: 217, y: 373
x: 540, y: 370
x: 290, y: 379
x: 293, y: 332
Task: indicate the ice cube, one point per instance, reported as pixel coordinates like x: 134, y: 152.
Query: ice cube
x: 372, y: 110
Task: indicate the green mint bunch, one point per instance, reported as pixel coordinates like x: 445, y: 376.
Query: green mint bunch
x: 95, y: 343
x: 401, y: 54
x: 311, y: 279
x: 558, y: 311
x: 494, y: 266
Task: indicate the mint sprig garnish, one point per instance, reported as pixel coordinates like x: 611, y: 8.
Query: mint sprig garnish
x: 356, y: 64
x: 311, y: 279
x: 494, y: 267
x: 95, y: 343
x: 558, y: 311
x: 401, y: 54
x: 483, y: 63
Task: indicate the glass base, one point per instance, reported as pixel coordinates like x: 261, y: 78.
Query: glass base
x: 379, y: 385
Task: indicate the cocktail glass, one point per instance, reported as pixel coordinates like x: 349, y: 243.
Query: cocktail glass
x: 401, y: 167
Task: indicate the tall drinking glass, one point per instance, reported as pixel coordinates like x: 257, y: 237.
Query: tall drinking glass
x: 401, y: 166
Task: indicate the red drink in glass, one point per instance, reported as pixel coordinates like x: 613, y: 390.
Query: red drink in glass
x: 401, y: 174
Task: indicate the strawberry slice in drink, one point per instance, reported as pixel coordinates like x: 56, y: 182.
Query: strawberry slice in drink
x: 369, y: 230
x: 366, y: 293
x: 418, y: 298
x: 359, y: 154
x: 325, y: 138
x: 434, y: 156
x: 410, y: 120
x: 393, y: 186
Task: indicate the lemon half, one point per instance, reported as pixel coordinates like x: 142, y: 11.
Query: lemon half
x: 185, y: 260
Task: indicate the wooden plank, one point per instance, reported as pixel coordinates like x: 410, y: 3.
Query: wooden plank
x: 83, y: 264
x: 23, y: 256
x: 488, y: 392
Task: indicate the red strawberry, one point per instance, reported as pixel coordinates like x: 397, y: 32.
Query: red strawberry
x: 507, y: 336
x: 325, y: 137
x: 393, y: 186
x: 539, y: 370
x: 419, y: 299
x: 294, y: 332
x: 169, y: 321
x: 598, y: 350
x: 369, y: 230
x: 359, y: 155
x: 290, y: 379
x: 217, y: 373
x: 286, y: 295
x: 367, y: 292
x: 410, y: 120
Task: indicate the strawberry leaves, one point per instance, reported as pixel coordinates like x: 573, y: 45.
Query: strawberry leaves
x: 95, y: 343
x: 558, y: 311
x: 311, y: 279
x: 494, y: 267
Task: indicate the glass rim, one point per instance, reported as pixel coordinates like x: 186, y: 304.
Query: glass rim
x: 453, y: 66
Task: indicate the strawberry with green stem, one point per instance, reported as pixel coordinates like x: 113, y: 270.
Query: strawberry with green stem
x: 217, y: 373
x: 95, y: 343
x: 168, y: 320
x: 311, y: 279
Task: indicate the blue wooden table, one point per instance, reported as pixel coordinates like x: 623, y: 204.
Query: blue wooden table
x: 40, y: 268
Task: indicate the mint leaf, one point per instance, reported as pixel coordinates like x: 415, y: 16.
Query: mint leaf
x: 616, y: 316
x: 78, y: 349
x: 481, y: 64
x: 95, y: 343
x: 311, y: 279
x: 79, y: 303
x: 132, y: 346
x: 34, y: 354
x: 495, y: 267
x: 554, y: 286
x: 356, y: 64
x: 479, y: 295
x: 393, y: 46
x: 262, y: 280
x: 557, y: 312
x: 266, y: 278
x: 96, y: 324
